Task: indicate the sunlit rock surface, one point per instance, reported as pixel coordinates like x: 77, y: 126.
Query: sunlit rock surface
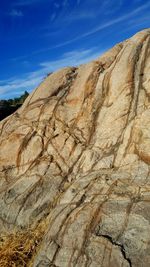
x: 78, y: 153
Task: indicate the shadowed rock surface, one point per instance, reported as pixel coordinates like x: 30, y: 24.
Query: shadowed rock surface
x: 78, y: 153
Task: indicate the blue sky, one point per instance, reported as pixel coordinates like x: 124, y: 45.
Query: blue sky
x: 40, y: 36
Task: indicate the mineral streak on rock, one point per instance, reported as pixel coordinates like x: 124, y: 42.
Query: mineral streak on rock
x: 78, y: 153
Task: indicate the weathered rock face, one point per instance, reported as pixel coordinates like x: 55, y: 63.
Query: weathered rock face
x: 78, y: 153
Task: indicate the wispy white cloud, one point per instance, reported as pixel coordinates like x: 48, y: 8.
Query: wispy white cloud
x: 72, y: 58
x: 53, y: 16
x: 31, y: 80
x: 133, y: 15
x: 16, y: 13
x: 78, y: 2
x: 19, y: 84
x: 127, y: 17
x: 115, y: 21
x: 75, y: 16
x: 110, y: 7
x: 64, y: 2
x: 56, y: 5
x: 26, y: 2
x: 137, y: 23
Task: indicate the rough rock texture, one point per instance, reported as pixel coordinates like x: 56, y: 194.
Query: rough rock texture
x: 78, y: 153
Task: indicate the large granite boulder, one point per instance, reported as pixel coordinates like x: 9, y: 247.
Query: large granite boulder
x: 77, y: 154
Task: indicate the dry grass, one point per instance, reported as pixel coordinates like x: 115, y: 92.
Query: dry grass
x: 17, y: 249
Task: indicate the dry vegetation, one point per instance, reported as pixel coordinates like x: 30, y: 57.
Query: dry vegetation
x: 17, y: 249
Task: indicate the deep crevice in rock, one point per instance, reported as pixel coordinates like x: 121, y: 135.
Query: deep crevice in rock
x: 109, y: 238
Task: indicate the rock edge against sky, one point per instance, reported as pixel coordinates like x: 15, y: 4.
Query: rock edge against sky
x: 77, y: 153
